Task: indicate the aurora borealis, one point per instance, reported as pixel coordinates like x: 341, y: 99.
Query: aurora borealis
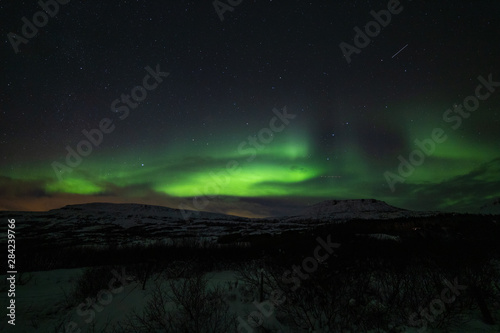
x: 213, y: 135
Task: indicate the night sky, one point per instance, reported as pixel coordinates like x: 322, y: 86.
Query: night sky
x: 258, y: 114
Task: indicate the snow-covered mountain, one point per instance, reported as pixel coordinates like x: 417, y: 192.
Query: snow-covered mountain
x: 354, y: 209
x: 99, y: 223
x: 141, y: 210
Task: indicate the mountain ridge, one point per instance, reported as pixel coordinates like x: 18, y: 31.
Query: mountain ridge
x: 348, y: 209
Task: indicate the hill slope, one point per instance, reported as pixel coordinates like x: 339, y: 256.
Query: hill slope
x: 355, y: 209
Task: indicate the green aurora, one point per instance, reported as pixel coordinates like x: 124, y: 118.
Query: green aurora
x: 287, y: 167
x: 203, y: 137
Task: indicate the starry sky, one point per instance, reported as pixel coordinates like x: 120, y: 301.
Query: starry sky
x: 255, y: 109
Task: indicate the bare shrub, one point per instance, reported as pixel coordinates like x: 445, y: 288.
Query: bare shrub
x: 185, y: 305
x: 92, y: 280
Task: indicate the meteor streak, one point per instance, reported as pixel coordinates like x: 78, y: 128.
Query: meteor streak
x: 404, y: 47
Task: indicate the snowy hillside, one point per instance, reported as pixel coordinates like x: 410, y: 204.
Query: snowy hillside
x: 104, y: 223
x: 358, y: 276
x: 355, y: 209
x: 101, y: 223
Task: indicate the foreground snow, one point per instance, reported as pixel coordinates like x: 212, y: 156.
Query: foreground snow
x: 43, y: 303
